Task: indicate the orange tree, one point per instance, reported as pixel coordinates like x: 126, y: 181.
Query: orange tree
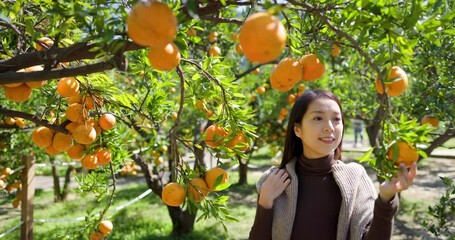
x: 166, y: 82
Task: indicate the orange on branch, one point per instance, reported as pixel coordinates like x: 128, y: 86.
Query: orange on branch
x: 51, y: 150
x: 336, y: 50
x: 214, y: 135
x: 286, y: 74
x: 239, y: 141
x: 76, y: 152
x: 62, y: 142
x: 76, y: 112
x: 433, y: 121
x: 173, y: 194
x: 20, y: 93
x: 198, y: 189
x: 43, y: 136
x: 406, y: 154
x: 395, y: 83
x: 84, y: 134
x: 96, y: 236
x: 104, y: 156
x: 261, y: 90
x: 262, y: 37
x: 191, y: 32
x: 213, y: 174
x: 107, y: 121
x: 165, y: 57
x: 214, y: 51
x: 313, y: 68
x: 105, y: 227
x: 89, y: 161
x: 151, y: 24
x: 68, y: 87
x: 213, y: 36
x: 46, y: 41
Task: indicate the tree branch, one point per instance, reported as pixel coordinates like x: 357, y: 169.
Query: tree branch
x: 42, y: 122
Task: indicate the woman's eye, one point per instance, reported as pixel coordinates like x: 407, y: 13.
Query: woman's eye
x: 317, y: 118
x: 337, y: 119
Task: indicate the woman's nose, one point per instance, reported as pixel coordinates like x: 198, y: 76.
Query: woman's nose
x: 328, y: 127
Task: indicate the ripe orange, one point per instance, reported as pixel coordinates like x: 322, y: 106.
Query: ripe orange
x: 173, y: 194
x: 159, y: 160
x: 96, y: 236
x: 406, y: 154
x: 197, y: 189
x: 95, y: 124
x: 215, y: 135
x: 76, y: 152
x: 20, y: 122
x: 20, y: 93
x: 105, y: 227
x: 71, y: 126
x: 43, y: 137
x: 286, y: 73
x: 151, y: 24
x: 84, y: 134
x: 212, y: 175
x: 313, y: 68
x: 336, y: 50
x: 433, y: 121
x: 238, y: 140
x: 10, y: 121
x: 191, y: 32
x: 35, y: 84
x: 213, y: 36
x: 256, y: 71
x: 89, y: 161
x: 399, y: 84
x: 107, y: 121
x: 47, y: 41
x: 214, y: 51
x: 291, y: 98
x: 165, y: 57
x: 104, y: 156
x: 76, y: 112
x: 51, y: 150
x: 261, y: 90
x: 62, y: 142
x: 263, y: 37
x: 68, y: 87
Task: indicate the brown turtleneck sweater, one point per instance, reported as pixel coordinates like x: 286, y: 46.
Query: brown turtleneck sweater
x: 318, y: 206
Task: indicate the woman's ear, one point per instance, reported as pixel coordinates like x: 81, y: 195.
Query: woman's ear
x: 297, y: 130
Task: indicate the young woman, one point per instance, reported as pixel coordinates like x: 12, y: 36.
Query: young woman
x: 314, y: 195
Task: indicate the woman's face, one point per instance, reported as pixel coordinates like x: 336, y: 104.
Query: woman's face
x: 321, y: 128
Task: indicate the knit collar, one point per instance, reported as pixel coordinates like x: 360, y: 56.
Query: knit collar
x: 316, y: 166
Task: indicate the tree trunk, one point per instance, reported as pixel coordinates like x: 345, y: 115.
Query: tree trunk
x: 243, y: 171
x: 441, y: 139
x: 182, y: 221
x: 56, y: 182
x: 66, y: 184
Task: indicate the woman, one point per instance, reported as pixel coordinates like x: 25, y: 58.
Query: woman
x: 313, y: 195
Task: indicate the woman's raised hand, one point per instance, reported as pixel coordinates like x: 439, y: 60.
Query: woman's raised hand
x: 402, y: 181
x: 273, y: 186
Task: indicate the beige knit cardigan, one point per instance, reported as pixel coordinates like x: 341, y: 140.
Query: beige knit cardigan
x: 358, y: 197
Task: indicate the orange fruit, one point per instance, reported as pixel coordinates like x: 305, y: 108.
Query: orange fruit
x: 84, y: 134
x: 263, y: 37
x: 20, y: 93
x: 89, y: 161
x: 173, y: 194
x: 191, y: 32
x: 406, y: 154
x: 10, y: 121
x: 397, y: 86
x: 105, y: 227
x: 51, y: 150
x: 107, y: 121
x: 20, y: 122
x: 213, y: 174
x: 76, y: 112
x: 336, y: 50
x: 68, y: 87
x: 313, y: 68
x: 88, y: 102
x: 62, y: 142
x: 71, y: 126
x: 159, y: 160
x: 75, y: 99
x: 43, y: 137
x: 214, y: 51
x: 35, y: 84
x: 291, y: 98
x: 213, y: 36
x: 239, y: 139
x: 76, y: 152
x: 286, y: 73
x: 104, y: 156
x: 151, y: 24
x: 214, y: 135
x: 261, y: 90
x: 95, y: 124
x: 256, y: 71
x: 164, y: 57
x: 198, y: 189
x: 96, y: 236
x: 46, y: 41
x: 433, y: 121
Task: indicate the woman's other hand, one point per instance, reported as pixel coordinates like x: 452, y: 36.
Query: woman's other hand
x: 273, y: 186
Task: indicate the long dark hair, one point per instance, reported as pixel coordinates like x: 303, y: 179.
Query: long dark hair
x: 293, y: 146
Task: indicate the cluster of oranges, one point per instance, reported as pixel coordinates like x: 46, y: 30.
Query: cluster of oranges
x: 21, y: 92
x: 130, y: 168
x: 16, y: 121
x: 82, y: 129
x: 10, y: 187
x: 153, y: 24
x: 197, y: 189
x: 216, y: 135
x: 104, y: 228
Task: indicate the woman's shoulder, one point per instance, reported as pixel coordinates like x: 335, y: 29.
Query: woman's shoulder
x: 264, y: 177
x: 350, y: 166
